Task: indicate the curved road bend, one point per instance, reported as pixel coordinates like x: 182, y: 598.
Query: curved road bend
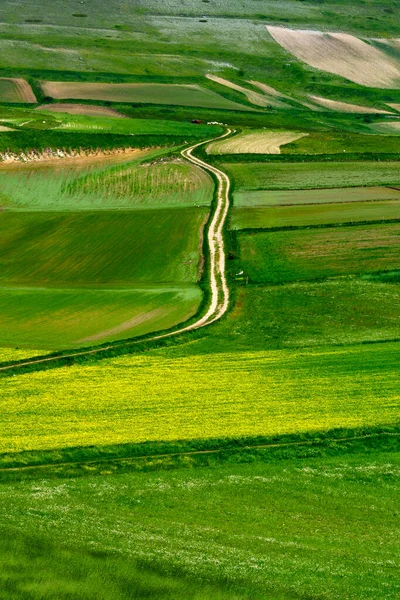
x: 218, y: 283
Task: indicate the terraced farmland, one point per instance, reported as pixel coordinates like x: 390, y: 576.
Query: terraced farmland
x: 147, y: 93
x: 295, y: 176
x: 314, y: 214
x: 284, y: 256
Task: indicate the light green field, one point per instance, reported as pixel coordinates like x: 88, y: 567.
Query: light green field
x: 169, y: 396
x: 313, y: 214
x: 100, y: 248
x: 288, y: 176
x: 11, y: 354
x: 126, y: 186
x: 64, y: 318
x: 281, y: 256
x: 141, y: 93
x: 263, y: 198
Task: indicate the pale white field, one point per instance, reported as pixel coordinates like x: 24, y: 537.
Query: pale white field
x: 342, y: 54
x: 256, y: 142
x: 345, y: 106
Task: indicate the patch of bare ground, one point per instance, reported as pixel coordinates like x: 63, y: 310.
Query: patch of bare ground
x: 23, y: 91
x: 341, y: 54
x: 129, y: 324
x: 254, y: 97
x: 10, y: 160
x: 89, y: 110
x: 346, y: 107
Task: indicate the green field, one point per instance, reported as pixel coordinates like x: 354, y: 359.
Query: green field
x: 292, y: 176
x: 313, y: 254
x: 100, y: 248
x: 175, y: 396
x: 303, y: 315
x: 63, y: 318
x: 129, y: 186
x: 313, y: 214
x: 344, y: 142
x: 262, y: 198
x: 323, y: 528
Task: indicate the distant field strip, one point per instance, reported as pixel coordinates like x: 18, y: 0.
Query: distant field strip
x: 253, y: 97
x: 146, y: 93
x: 82, y: 109
x: 314, y: 214
x: 341, y: 54
x: 296, y: 176
x: 260, y: 142
x: 262, y: 198
x: 166, y: 397
x: 60, y: 318
x: 275, y: 257
x: 345, y: 107
x: 16, y: 90
x: 126, y: 186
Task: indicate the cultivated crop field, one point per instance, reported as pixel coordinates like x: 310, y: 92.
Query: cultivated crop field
x: 147, y: 93
x: 158, y: 396
x: 16, y: 90
x: 286, y: 176
x: 314, y: 214
x: 279, y: 256
x: 264, y: 198
x: 260, y: 142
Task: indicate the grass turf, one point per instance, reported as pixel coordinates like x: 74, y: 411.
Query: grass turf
x: 323, y: 528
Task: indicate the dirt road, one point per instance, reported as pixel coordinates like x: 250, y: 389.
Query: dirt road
x: 219, y: 291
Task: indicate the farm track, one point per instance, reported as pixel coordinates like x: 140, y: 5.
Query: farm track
x: 121, y: 459
x: 219, y: 289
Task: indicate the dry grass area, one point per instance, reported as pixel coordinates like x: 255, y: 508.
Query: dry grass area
x: 341, y: 54
x: 395, y: 106
x: 88, y: 110
x: 16, y: 90
x: 345, y: 107
x: 259, y: 142
x: 254, y: 97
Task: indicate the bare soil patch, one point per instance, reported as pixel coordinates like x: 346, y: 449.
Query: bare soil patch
x: 16, y: 90
x: 341, y: 54
x: 89, y: 110
x: 346, y: 107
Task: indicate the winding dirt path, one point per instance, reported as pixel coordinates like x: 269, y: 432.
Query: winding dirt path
x: 219, y: 289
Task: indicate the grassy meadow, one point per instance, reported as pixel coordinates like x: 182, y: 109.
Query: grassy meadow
x: 138, y: 535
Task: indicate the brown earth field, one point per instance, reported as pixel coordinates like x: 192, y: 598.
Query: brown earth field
x: 16, y: 90
x: 325, y: 196
x: 89, y: 110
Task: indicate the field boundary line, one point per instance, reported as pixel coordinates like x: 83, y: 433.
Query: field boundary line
x: 315, y: 442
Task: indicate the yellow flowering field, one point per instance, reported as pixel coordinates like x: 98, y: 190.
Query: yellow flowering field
x: 167, y: 395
